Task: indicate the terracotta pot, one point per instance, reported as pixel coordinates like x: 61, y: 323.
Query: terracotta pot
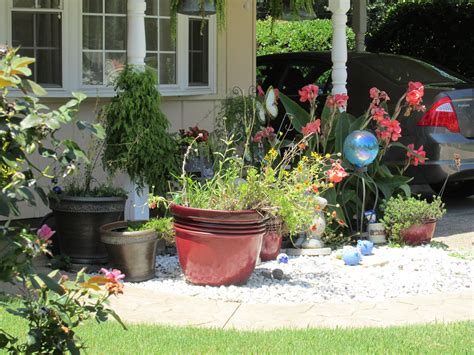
x: 271, y: 243
x: 133, y: 253
x: 213, y: 253
x: 78, y: 221
x: 418, y: 233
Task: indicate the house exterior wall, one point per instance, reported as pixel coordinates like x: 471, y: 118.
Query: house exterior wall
x: 236, y: 63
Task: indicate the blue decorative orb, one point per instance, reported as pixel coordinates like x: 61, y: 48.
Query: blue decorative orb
x: 361, y: 148
x: 351, y: 257
x: 282, y: 258
x: 365, y: 247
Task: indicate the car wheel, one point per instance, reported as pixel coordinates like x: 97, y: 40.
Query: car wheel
x: 458, y: 189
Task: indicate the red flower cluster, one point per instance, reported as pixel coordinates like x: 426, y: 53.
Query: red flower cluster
x: 378, y: 113
x: 377, y: 96
x: 388, y: 130
x: 195, y: 132
x: 413, y: 159
x: 337, y: 173
x: 260, y: 91
x: 312, y: 127
x: 338, y: 100
x: 308, y: 93
x: 268, y: 132
x: 414, y: 96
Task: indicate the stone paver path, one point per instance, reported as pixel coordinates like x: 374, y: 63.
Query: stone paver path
x: 144, y: 306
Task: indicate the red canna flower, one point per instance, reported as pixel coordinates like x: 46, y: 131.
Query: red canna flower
x: 312, y: 127
x: 308, y: 93
x: 414, y: 160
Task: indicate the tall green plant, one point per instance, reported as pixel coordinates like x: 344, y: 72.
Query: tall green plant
x: 137, y: 138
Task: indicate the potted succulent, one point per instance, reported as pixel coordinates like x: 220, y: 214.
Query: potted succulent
x: 412, y: 220
x: 131, y: 246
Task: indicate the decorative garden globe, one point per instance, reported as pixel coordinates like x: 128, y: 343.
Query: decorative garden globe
x: 351, y: 257
x: 361, y: 148
x: 365, y: 247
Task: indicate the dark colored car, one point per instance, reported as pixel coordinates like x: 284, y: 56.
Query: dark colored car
x: 446, y: 128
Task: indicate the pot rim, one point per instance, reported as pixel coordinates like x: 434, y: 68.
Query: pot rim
x: 193, y: 209
x: 230, y: 232
x: 222, y: 235
x: 88, y: 199
x: 109, y: 230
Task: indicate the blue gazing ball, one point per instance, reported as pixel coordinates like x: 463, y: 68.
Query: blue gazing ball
x: 282, y: 258
x: 351, y: 257
x: 365, y: 247
x: 361, y: 148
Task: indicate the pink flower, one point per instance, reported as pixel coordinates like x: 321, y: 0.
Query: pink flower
x: 414, y: 160
x: 338, y: 100
x: 312, y: 127
x: 336, y: 173
x: 277, y: 94
x: 115, y: 275
x: 45, y: 232
x: 416, y: 85
x: 392, y: 127
x: 260, y: 91
x: 308, y: 93
x: 374, y: 93
x: 378, y: 114
x: 267, y: 132
x: 414, y: 97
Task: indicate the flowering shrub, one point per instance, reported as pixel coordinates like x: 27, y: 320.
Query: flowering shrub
x: 334, y: 125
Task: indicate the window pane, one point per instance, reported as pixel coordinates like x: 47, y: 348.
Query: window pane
x: 151, y: 34
x: 92, y: 68
x: 164, y: 7
x: 151, y: 8
x: 166, y: 43
x: 198, y: 53
x: 49, y: 67
x: 31, y: 54
x: 167, y: 69
x: 116, y: 6
x: 115, y: 33
x: 92, y: 32
x: 49, y: 26
x: 49, y: 4
x: 151, y: 60
x: 114, y: 64
x: 23, y: 3
x: 22, y: 29
x: 92, y: 6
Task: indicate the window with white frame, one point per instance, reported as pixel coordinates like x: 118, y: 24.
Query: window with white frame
x: 36, y: 27
x: 82, y: 44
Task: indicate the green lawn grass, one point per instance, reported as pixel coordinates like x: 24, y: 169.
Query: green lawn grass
x: 109, y: 338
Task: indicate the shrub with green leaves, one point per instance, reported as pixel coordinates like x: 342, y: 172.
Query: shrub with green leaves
x: 402, y: 212
x: 137, y: 137
x: 163, y: 226
x: 435, y: 31
x: 296, y: 36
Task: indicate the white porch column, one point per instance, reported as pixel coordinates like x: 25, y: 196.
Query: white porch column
x: 136, y: 42
x: 137, y: 207
x: 339, y: 9
x: 359, y: 23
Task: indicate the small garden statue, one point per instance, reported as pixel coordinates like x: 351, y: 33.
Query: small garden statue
x: 312, y: 239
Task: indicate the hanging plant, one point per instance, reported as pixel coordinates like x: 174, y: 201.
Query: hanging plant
x: 137, y: 137
x: 277, y: 8
x: 220, y: 6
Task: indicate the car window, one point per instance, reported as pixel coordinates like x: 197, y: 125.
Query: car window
x: 402, y: 70
x: 298, y: 75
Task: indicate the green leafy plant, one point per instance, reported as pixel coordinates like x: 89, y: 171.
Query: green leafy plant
x: 73, y: 188
x: 221, y: 8
x: 275, y: 36
x: 164, y: 227
x: 137, y: 138
x: 402, y: 212
x: 53, y: 308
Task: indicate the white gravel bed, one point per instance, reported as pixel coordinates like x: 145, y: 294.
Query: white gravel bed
x: 388, y: 273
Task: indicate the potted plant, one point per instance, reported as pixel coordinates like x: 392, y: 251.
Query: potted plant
x: 131, y: 246
x: 412, y: 220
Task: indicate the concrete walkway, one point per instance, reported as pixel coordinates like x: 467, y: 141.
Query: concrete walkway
x: 144, y: 306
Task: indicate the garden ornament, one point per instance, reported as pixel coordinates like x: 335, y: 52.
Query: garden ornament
x: 351, y: 256
x: 365, y: 247
x: 313, y: 240
x: 361, y: 148
x: 282, y: 258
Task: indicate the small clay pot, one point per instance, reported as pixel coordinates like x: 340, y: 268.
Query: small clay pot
x: 418, y: 233
x: 271, y: 244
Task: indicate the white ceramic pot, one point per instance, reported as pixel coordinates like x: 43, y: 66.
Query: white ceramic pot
x: 377, y: 233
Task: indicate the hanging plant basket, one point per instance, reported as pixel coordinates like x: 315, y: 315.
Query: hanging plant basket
x: 196, y: 7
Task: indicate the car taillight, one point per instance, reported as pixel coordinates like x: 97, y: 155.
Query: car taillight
x: 441, y: 114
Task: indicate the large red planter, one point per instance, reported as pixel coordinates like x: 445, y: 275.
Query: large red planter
x: 418, y: 233
x: 271, y: 243
x: 211, y: 250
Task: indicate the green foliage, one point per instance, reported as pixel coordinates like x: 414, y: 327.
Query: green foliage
x: 411, y: 28
x: 137, y: 138
x: 296, y: 36
x: 103, y: 190
x: 402, y: 212
x: 164, y: 227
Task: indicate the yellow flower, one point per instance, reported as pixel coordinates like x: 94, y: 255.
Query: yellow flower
x: 299, y: 168
x: 330, y: 185
x: 305, y: 158
x: 315, y: 155
x: 328, y: 156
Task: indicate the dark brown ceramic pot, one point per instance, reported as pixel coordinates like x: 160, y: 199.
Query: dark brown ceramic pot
x: 271, y: 243
x: 133, y: 253
x: 78, y: 221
